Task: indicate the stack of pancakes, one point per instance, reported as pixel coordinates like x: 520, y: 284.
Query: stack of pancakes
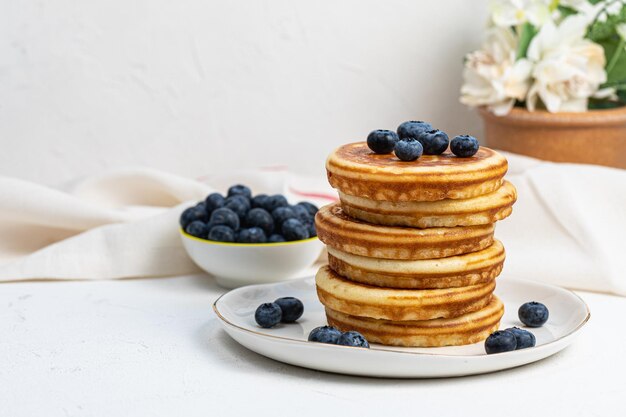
x: 412, y: 257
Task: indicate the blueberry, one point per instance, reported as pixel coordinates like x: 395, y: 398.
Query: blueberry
x: 280, y: 214
x: 260, y: 201
x: 382, y: 141
x: 193, y: 214
x: 324, y: 334
x: 302, y: 213
x: 275, y: 201
x: 464, y: 146
x: 434, y: 142
x: 239, y: 190
x: 239, y: 204
x: 525, y: 339
x: 311, y: 208
x: 197, y: 229
x: 293, y: 229
x: 276, y: 238
x: 311, y: 229
x: 258, y: 217
x: 291, y: 307
x: 352, y: 338
x: 222, y: 234
x: 500, y: 341
x: 268, y: 315
x: 200, y: 205
x: 412, y: 129
x: 224, y: 216
x: 408, y: 150
x: 252, y: 235
x: 533, y: 314
x: 214, y: 201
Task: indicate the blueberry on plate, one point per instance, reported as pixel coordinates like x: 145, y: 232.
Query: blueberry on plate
x: 293, y: 229
x: 464, y: 146
x: 525, y: 339
x: 500, y: 341
x: 533, y: 314
x: 324, y: 334
x: 382, y: 141
x: 222, y: 233
x: 258, y: 217
x: 412, y: 129
x: 276, y: 238
x: 239, y: 190
x: 434, y: 142
x: 214, y: 201
x: 197, y: 229
x: 280, y: 214
x: 239, y: 204
x: 193, y: 214
x: 275, y: 201
x: 302, y: 213
x: 259, y: 201
x: 354, y: 339
x: 310, y: 207
x: 408, y: 150
x: 268, y: 315
x: 251, y: 235
x: 224, y: 216
x: 291, y: 307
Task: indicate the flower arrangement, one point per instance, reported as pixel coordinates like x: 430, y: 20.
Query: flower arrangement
x: 561, y: 55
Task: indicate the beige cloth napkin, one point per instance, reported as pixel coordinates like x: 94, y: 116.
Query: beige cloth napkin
x: 567, y: 227
x: 116, y: 225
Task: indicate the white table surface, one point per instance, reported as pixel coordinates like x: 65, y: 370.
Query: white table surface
x: 154, y: 347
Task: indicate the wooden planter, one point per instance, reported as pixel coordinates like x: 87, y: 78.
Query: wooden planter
x: 593, y: 137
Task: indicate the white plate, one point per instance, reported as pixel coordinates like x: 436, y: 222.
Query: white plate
x: 288, y: 342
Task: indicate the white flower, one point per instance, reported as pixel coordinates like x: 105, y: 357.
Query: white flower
x: 603, y: 9
x: 516, y: 12
x: 614, y: 7
x: 568, y: 68
x: 492, y: 77
x: 574, y: 4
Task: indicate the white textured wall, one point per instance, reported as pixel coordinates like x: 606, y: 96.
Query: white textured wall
x: 195, y: 86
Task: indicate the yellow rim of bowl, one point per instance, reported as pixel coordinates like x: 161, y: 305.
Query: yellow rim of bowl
x: 213, y: 242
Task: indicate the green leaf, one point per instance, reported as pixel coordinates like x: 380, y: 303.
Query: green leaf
x: 566, y: 11
x: 603, y: 104
x: 620, y: 86
x: 612, y: 103
x: 527, y: 33
x: 599, y: 31
x: 616, y: 73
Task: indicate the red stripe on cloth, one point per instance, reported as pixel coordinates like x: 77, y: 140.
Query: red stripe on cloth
x: 323, y: 196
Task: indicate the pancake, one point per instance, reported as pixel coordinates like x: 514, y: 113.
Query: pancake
x: 463, y: 330
x: 355, y: 170
x: 456, y: 271
x: 484, y: 209
x: 343, y: 295
x: 344, y: 233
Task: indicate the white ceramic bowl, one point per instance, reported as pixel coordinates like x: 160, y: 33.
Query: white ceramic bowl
x: 237, y: 264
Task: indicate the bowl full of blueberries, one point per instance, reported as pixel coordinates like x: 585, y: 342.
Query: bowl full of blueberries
x: 243, y: 239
